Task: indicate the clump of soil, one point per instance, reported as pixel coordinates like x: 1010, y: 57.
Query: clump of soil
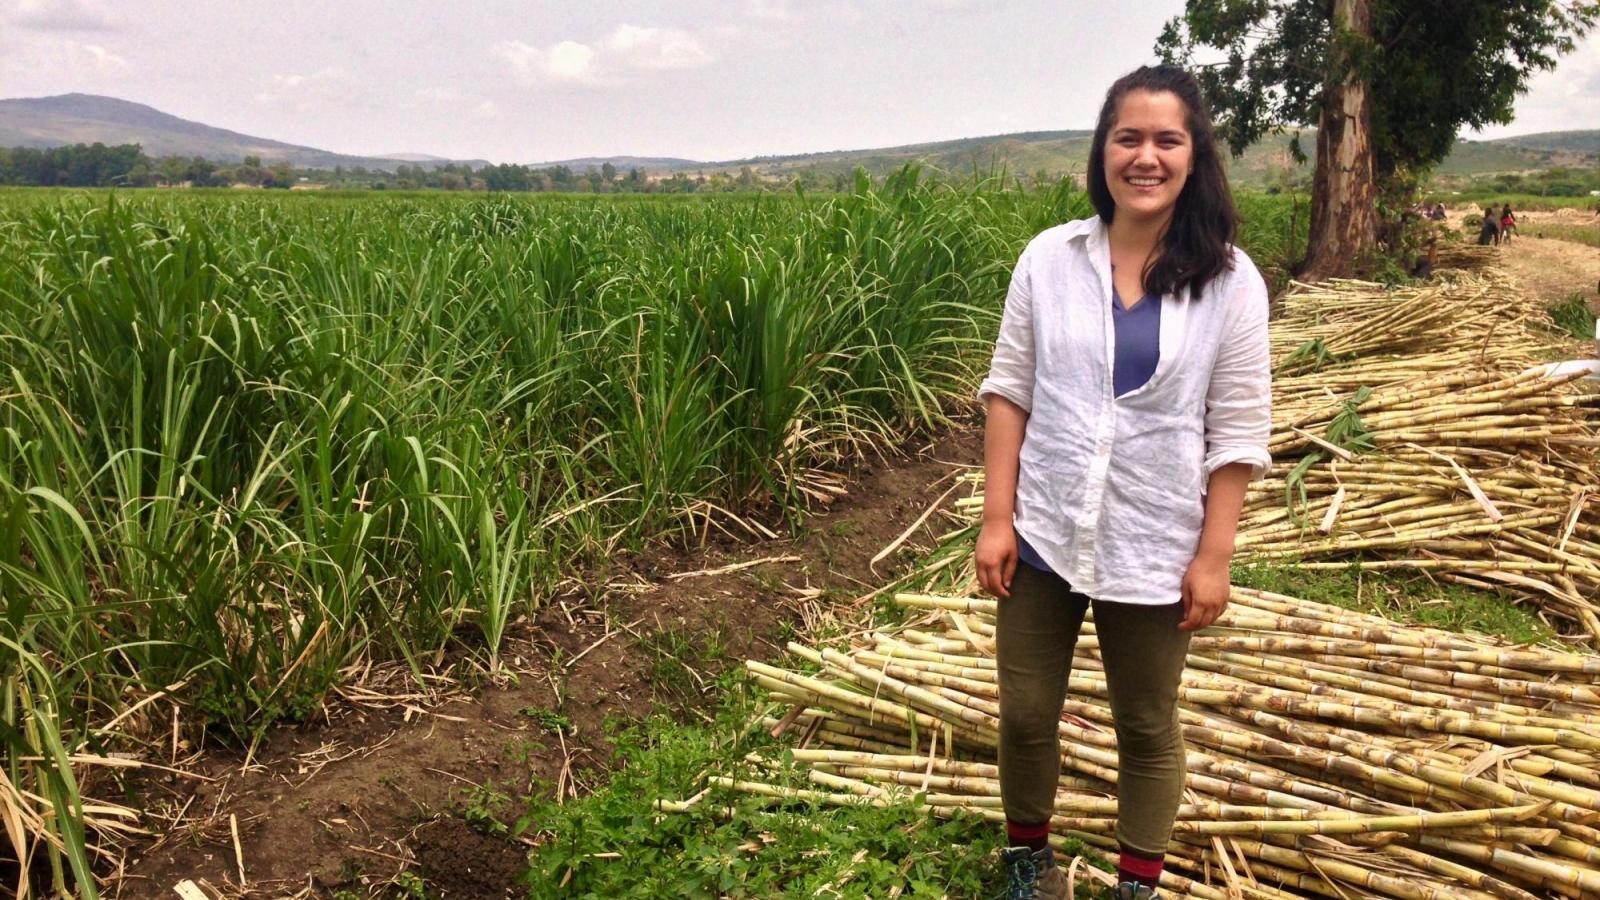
x: 458, y: 862
x: 379, y: 785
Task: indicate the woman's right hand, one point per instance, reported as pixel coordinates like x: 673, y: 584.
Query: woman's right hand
x: 996, y: 558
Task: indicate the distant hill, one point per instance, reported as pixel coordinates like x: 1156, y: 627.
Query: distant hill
x: 1263, y: 163
x: 1584, y: 142
x: 1022, y: 153
x: 624, y: 163
x: 413, y: 157
x: 1524, y: 153
x: 87, y: 118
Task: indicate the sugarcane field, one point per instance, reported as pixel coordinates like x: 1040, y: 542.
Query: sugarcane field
x: 1428, y: 438
x: 1161, y: 461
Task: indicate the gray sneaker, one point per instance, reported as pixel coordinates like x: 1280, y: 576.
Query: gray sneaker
x: 1032, y: 875
x: 1133, y: 890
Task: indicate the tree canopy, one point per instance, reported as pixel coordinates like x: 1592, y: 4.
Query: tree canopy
x: 1388, y: 84
x: 1432, y: 66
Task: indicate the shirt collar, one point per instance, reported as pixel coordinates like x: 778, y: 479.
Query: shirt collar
x: 1083, y: 228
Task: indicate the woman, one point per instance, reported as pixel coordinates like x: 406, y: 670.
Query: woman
x: 1128, y: 406
x: 1490, y: 232
x: 1508, y: 223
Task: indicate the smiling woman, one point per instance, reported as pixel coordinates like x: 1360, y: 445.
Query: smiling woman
x: 1128, y: 406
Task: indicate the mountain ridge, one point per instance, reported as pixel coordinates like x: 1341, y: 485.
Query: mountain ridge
x: 79, y: 118
x: 87, y: 118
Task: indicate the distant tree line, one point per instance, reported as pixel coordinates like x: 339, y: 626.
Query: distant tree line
x: 126, y: 165
x: 1556, y: 181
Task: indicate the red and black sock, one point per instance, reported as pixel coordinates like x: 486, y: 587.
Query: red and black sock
x: 1034, y: 837
x: 1140, y: 867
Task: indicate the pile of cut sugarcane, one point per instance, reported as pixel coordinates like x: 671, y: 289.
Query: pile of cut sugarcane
x: 1432, y: 443
x: 1341, y: 319
x: 1330, y: 753
x: 1465, y: 255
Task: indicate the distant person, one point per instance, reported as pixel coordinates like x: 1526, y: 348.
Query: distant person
x: 1508, y: 223
x: 1437, y: 214
x: 1424, y: 265
x: 1490, y: 232
x: 1116, y: 464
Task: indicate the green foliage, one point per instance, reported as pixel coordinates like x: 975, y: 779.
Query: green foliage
x: 1274, y: 228
x: 1573, y: 316
x: 1432, y: 66
x: 486, y: 808
x: 411, y: 885
x: 1345, y: 430
x: 612, y: 844
x: 548, y: 719
x: 1406, y: 597
x: 1308, y: 357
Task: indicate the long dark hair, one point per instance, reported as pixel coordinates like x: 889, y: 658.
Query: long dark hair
x: 1198, y: 243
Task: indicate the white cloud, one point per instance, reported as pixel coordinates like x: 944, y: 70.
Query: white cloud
x: 99, y: 58
x: 306, y: 91
x: 567, y: 61
x: 59, y: 15
x: 626, y: 48
x: 1567, y: 97
x: 570, y: 61
x: 38, y: 64
x: 452, y: 100
x: 657, y: 48
x: 774, y: 10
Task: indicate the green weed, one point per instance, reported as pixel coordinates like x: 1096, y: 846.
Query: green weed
x: 548, y: 719
x: 611, y: 843
x: 486, y: 807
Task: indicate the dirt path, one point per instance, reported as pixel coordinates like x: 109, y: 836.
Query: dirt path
x: 1553, y: 269
x: 380, y: 785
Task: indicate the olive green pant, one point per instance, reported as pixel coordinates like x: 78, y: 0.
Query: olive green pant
x: 1143, y: 652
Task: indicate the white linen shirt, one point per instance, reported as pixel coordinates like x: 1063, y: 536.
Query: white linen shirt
x: 1111, y: 490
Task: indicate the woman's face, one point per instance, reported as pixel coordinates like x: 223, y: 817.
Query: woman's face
x: 1149, y: 155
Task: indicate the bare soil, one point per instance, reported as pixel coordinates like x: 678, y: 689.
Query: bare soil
x: 1553, y: 269
x: 387, y: 780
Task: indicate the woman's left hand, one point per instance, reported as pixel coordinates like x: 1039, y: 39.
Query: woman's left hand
x: 1204, y: 591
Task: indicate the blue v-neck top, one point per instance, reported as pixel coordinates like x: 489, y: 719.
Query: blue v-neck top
x: 1138, y: 333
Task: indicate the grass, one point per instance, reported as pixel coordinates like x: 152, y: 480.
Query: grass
x: 1562, y: 231
x: 1481, y: 197
x: 677, y: 657
x: 1405, y: 597
x: 611, y: 844
x: 1573, y: 316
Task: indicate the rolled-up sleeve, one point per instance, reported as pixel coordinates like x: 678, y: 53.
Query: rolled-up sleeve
x: 1011, y: 373
x: 1239, y: 399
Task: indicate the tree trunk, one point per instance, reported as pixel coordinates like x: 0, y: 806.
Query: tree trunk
x: 1344, y: 211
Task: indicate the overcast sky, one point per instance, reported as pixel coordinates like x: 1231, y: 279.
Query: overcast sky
x: 552, y: 79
